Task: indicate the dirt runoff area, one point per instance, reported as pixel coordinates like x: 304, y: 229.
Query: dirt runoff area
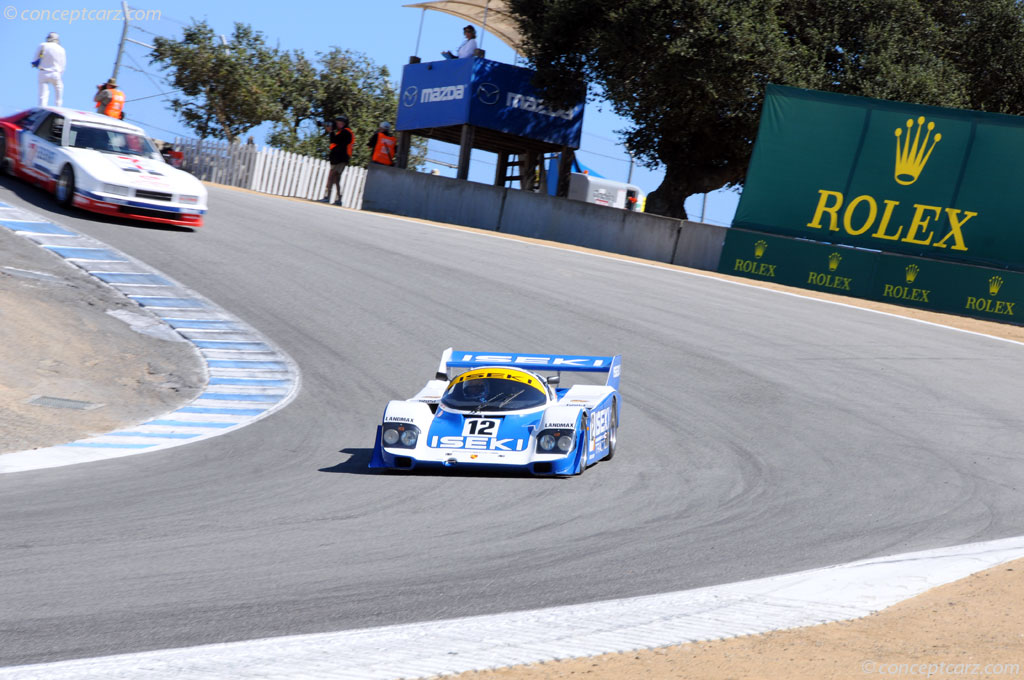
x: 67, y: 336
x: 77, y: 358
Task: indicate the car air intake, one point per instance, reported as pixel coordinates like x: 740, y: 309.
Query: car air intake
x: 542, y: 468
x: 152, y: 195
x: 403, y: 462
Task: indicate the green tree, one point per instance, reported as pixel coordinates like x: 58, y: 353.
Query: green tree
x: 301, y: 89
x: 226, y: 89
x: 690, y: 75
x: 343, y: 82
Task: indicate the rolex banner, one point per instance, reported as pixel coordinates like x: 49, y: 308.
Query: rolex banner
x: 918, y: 180
x: 930, y: 284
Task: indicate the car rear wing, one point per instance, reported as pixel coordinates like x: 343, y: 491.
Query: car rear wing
x: 612, y: 365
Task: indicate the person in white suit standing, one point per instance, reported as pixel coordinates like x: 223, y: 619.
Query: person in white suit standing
x: 51, y: 60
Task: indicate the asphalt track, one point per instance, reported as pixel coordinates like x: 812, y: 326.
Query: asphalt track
x: 761, y: 434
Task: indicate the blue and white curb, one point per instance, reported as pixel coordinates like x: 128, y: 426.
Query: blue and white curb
x: 423, y: 650
x: 248, y: 378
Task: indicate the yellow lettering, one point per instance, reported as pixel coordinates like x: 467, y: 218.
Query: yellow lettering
x: 921, y: 222
x: 955, y: 224
x: 889, y: 206
x: 824, y: 207
x: 872, y: 213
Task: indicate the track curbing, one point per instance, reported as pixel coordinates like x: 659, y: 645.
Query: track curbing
x: 248, y: 377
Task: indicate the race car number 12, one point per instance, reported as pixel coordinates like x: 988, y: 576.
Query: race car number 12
x: 480, y: 427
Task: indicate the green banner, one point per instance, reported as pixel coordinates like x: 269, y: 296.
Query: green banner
x: 953, y: 288
x: 934, y: 285
x: 791, y: 262
x: 926, y: 181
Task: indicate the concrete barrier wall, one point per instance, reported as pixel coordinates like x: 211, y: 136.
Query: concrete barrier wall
x: 700, y: 245
x: 442, y: 199
x: 587, y: 225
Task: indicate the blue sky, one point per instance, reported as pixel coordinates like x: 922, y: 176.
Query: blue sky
x: 383, y: 29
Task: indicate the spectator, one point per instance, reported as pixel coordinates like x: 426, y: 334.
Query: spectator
x: 341, y: 141
x: 109, y: 100
x: 468, y: 46
x: 51, y: 61
x: 382, y: 145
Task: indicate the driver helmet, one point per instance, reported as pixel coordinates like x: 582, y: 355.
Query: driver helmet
x: 475, y: 389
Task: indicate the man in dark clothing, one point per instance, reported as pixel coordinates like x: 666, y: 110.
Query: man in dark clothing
x: 341, y: 141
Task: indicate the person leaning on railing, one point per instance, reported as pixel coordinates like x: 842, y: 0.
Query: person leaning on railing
x: 467, y: 48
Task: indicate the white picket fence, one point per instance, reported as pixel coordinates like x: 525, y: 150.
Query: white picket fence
x: 267, y: 170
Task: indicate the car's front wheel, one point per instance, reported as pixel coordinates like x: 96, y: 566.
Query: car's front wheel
x: 3, y: 153
x: 582, y: 444
x: 66, y: 186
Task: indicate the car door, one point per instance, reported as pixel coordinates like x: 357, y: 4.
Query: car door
x: 40, y: 148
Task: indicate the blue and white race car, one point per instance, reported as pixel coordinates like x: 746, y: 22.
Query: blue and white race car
x: 504, y: 412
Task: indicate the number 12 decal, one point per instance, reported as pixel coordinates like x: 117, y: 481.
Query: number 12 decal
x: 480, y: 427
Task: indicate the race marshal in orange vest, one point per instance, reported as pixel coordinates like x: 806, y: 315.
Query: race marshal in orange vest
x: 382, y: 145
x: 110, y: 100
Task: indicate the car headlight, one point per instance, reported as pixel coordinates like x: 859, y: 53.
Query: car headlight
x: 189, y: 199
x: 400, y: 435
x: 556, y: 441
x: 116, y: 189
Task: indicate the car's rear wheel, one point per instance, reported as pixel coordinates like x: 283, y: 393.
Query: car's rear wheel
x: 66, y: 187
x: 613, y: 430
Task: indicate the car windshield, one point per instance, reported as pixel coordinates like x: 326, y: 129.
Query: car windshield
x: 494, y: 391
x: 110, y: 140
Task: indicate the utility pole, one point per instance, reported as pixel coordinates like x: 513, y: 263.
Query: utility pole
x: 124, y: 39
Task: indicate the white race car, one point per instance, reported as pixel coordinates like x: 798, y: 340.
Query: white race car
x: 101, y: 164
x: 504, y: 413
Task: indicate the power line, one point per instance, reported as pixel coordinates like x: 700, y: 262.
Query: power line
x: 162, y: 15
x: 591, y: 134
x: 594, y: 153
x: 140, y: 28
x: 139, y: 99
x: 143, y: 71
x: 156, y: 127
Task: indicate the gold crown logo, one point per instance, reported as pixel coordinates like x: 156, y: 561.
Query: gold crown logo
x: 833, y: 261
x: 759, y: 249
x: 912, y: 271
x: 994, y: 284
x: 911, y: 157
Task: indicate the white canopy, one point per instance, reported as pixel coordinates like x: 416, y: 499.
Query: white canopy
x: 491, y: 14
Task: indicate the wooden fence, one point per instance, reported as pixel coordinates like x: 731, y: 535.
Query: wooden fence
x: 269, y: 171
